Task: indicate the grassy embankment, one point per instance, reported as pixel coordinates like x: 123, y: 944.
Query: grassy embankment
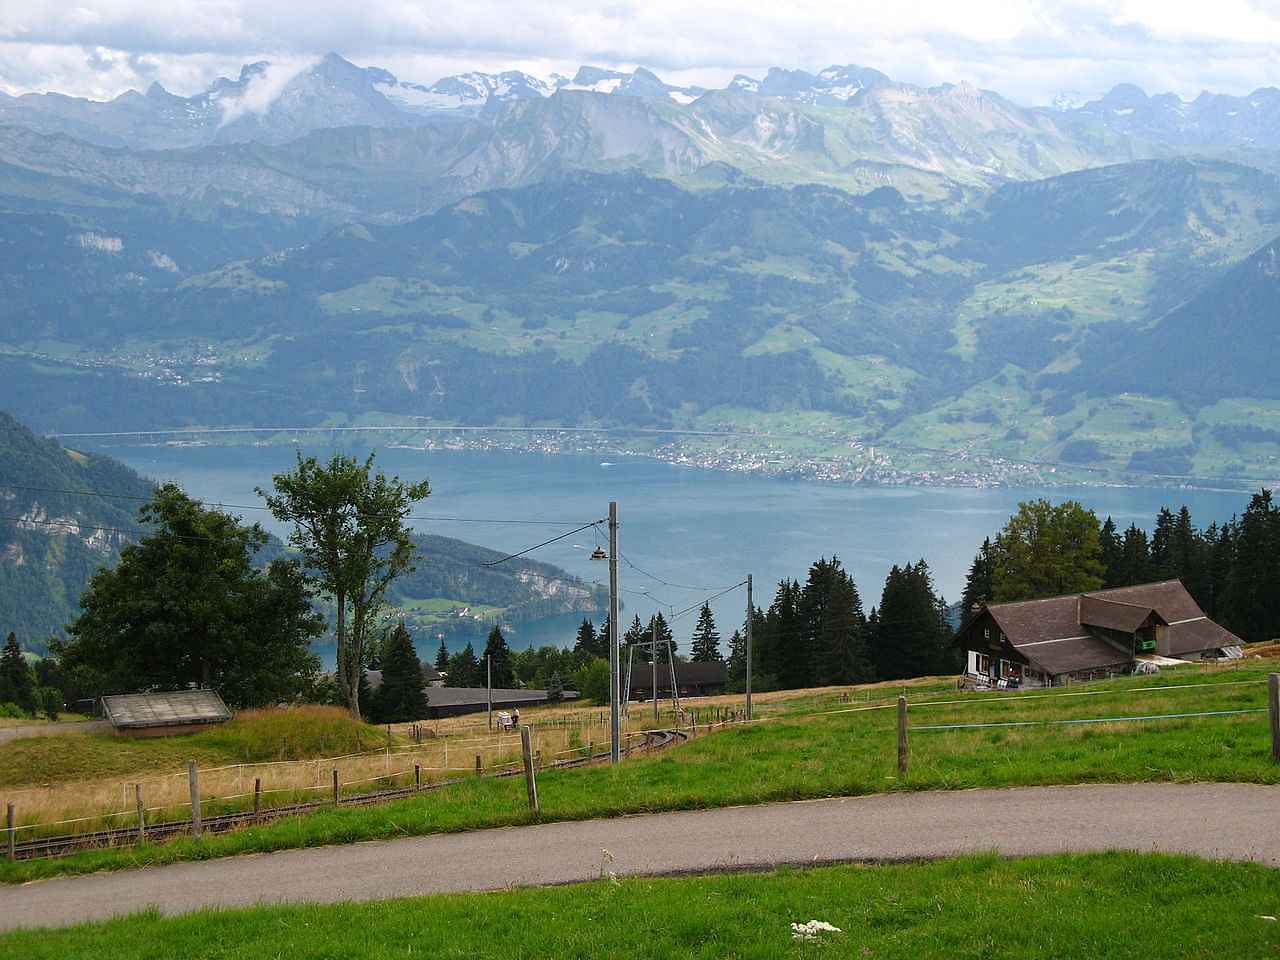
x: 848, y: 752
x: 1118, y: 906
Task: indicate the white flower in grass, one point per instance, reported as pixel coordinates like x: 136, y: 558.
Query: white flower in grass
x: 813, y: 930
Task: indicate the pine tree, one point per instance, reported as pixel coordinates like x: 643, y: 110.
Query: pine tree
x: 499, y: 655
x: 402, y: 696
x: 17, y: 685
x: 706, y: 641
x: 977, y: 586
x: 587, y: 645
x: 913, y: 637
x: 1135, y: 567
x: 637, y: 635
x: 1252, y: 594
x: 1162, y: 559
x: 464, y: 668
x: 736, y: 665
x: 442, y: 657
x: 1112, y: 554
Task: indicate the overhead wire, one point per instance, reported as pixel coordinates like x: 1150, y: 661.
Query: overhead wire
x: 665, y: 583
x: 544, y: 543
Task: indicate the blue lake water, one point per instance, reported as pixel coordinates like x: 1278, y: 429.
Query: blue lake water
x: 691, y: 527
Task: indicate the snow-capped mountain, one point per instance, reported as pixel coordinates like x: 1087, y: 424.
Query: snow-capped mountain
x: 1209, y: 120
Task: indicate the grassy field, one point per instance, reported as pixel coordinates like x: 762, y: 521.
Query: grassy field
x: 1116, y: 906
x: 840, y: 749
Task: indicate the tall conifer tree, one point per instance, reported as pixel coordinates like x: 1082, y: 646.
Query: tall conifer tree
x: 402, y: 696
x: 706, y: 640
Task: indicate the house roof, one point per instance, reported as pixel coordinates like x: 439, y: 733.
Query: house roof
x: 179, y: 707
x: 1058, y: 635
x: 429, y: 675
x: 710, y: 672
x: 471, y: 696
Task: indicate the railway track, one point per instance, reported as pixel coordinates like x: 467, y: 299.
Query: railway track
x: 48, y: 847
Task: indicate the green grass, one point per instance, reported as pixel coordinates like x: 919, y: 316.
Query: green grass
x: 834, y: 754
x: 253, y: 736
x: 1115, y: 906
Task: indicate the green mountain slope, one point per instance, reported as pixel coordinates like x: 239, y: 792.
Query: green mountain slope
x: 51, y: 542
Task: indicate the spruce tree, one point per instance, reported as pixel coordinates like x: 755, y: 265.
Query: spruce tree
x: 442, y: 657
x: 913, y: 637
x: 666, y: 640
x: 586, y: 646
x: 499, y: 655
x: 1112, y: 554
x: 977, y: 586
x: 402, y: 696
x: 1252, y: 593
x: 706, y: 641
x: 464, y: 669
x: 19, y: 685
x: 736, y: 665
x: 1135, y: 566
x: 637, y: 635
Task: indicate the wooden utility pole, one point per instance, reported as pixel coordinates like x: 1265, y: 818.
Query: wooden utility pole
x: 615, y: 732
x: 335, y: 786
x: 193, y: 783
x: 530, y: 779
x: 902, y: 736
x: 1273, y: 709
x: 750, y: 616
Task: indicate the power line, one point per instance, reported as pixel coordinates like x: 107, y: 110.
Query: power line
x: 702, y: 603
x: 544, y: 543
x: 665, y: 583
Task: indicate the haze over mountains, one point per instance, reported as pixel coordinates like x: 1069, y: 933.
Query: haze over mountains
x: 939, y: 267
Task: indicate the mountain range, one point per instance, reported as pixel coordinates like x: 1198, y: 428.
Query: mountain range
x: 937, y: 269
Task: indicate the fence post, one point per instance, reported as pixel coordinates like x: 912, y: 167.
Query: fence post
x: 11, y: 832
x: 335, y: 786
x: 417, y: 776
x: 526, y: 748
x: 591, y: 750
x: 902, y: 736
x: 537, y: 759
x: 477, y: 764
x: 142, y: 813
x: 193, y: 783
x: 1273, y: 708
x: 257, y: 797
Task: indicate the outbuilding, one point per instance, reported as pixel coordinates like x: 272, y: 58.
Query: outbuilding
x: 164, y: 714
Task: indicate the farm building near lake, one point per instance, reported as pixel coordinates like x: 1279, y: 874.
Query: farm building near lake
x: 692, y: 679
x: 1089, y: 636
x: 164, y: 714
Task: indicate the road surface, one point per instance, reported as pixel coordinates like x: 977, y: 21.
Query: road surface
x: 1219, y: 821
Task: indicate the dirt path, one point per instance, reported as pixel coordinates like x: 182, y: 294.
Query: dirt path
x: 63, y: 729
x: 1219, y: 821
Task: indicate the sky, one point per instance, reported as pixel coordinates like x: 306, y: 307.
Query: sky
x: 1029, y: 50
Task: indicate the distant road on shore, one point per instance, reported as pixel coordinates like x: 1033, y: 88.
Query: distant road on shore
x: 1218, y: 821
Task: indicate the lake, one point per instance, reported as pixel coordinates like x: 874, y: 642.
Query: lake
x: 698, y: 530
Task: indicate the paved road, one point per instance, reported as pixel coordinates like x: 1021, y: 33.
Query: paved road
x: 1220, y: 821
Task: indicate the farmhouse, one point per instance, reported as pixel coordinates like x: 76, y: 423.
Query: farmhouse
x: 1088, y: 636
x: 692, y: 680
x: 164, y: 714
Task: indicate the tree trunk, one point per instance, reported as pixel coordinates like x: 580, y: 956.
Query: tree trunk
x: 348, y: 685
x: 355, y: 658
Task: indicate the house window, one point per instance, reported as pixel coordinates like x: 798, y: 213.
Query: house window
x: 984, y: 664
x: 986, y: 633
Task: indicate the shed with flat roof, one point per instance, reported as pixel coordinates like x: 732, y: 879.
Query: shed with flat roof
x: 164, y: 714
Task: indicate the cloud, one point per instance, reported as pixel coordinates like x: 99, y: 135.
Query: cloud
x: 1027, y: 49
x: 262, y: 90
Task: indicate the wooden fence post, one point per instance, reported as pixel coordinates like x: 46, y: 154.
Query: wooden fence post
x: 193, y: 783
x: 335, y: 786
x: 142, y: 813
x: 902, y: 736
x: 477, y: 764
x: 1273, y: 709
x: 417, y: 776
x: 257, y: 797
x: 526, y: 748
x: 11, y: 832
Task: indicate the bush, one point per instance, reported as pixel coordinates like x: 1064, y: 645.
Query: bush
x: 592, y: 681
x: 12, y: 711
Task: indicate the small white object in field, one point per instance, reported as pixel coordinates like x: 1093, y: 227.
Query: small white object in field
x: 813, y: 930
x: 1265, y: 917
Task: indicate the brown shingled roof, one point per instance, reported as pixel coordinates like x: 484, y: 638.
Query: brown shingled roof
x: 1096, y: 611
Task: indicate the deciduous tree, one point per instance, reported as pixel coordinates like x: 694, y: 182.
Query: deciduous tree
x: 1046, y: 550
x: 350, y: 525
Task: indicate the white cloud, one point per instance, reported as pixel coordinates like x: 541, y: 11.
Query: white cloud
x: 262, y: 89
x: 1027, y: 49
